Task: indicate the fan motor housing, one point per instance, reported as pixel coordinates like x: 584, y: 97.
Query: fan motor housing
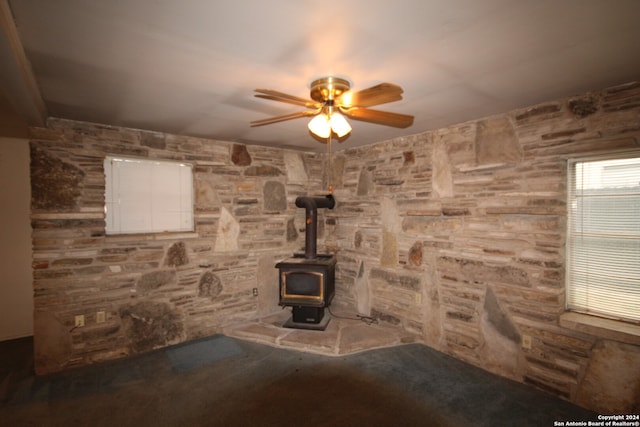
x: 328, y: 88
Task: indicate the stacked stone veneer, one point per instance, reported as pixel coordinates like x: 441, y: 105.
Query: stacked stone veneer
x: 459, y: 236
x: 164, y: 288
x: 456, y: 235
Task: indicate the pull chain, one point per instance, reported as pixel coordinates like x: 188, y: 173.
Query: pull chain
x: 330, y: 165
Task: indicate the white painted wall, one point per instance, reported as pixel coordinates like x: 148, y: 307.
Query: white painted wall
x: 16, y: 290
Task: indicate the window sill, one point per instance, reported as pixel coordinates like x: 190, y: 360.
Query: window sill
x: 605, y: 328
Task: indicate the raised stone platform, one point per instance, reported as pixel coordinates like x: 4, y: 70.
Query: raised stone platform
x: 343, y: 335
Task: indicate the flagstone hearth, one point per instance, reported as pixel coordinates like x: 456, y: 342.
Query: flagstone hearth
x: 343, y: 335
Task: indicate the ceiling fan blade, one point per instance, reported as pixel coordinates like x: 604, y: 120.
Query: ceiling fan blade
x: 375, y: 95
x: 380, y: 117
x: 302, y: 103
x: 284, y: 117
x: 275, y: 95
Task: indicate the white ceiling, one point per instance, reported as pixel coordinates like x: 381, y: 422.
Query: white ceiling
x: 190, y: 67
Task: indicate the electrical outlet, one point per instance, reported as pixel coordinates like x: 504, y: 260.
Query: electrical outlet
x: 418, y: 298
x: 79, y: 320
x: 526, y: 342
x: 255, y: 292
x: 101, y: 317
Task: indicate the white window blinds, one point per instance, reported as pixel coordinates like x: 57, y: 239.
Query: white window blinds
x: 603, y: 238
x: 147, y: 196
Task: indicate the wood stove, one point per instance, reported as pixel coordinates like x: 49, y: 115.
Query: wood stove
x: 307, y: 281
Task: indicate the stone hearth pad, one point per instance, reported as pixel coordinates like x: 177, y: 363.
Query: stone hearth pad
x: 343, y: 335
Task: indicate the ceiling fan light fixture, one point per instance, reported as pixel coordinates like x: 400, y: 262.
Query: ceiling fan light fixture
x: 320, y: 126
x: 331, y: 95
x: 340, y: 125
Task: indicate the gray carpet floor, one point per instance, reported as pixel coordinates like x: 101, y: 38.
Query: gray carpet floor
x: 220, y: 381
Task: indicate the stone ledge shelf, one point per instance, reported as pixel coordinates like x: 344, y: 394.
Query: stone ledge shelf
x: 342, y: 336
x: 598, y: 326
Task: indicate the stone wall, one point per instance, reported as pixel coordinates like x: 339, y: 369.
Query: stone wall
x: 165, y: 288
x: 458, y: 235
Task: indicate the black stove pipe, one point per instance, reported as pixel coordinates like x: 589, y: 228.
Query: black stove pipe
x: 311, y: 205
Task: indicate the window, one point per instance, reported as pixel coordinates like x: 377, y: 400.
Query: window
x: 603, y: 238
x: 146, y: 196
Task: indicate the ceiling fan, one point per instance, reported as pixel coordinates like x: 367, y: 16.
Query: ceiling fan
x: 331, y: 96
